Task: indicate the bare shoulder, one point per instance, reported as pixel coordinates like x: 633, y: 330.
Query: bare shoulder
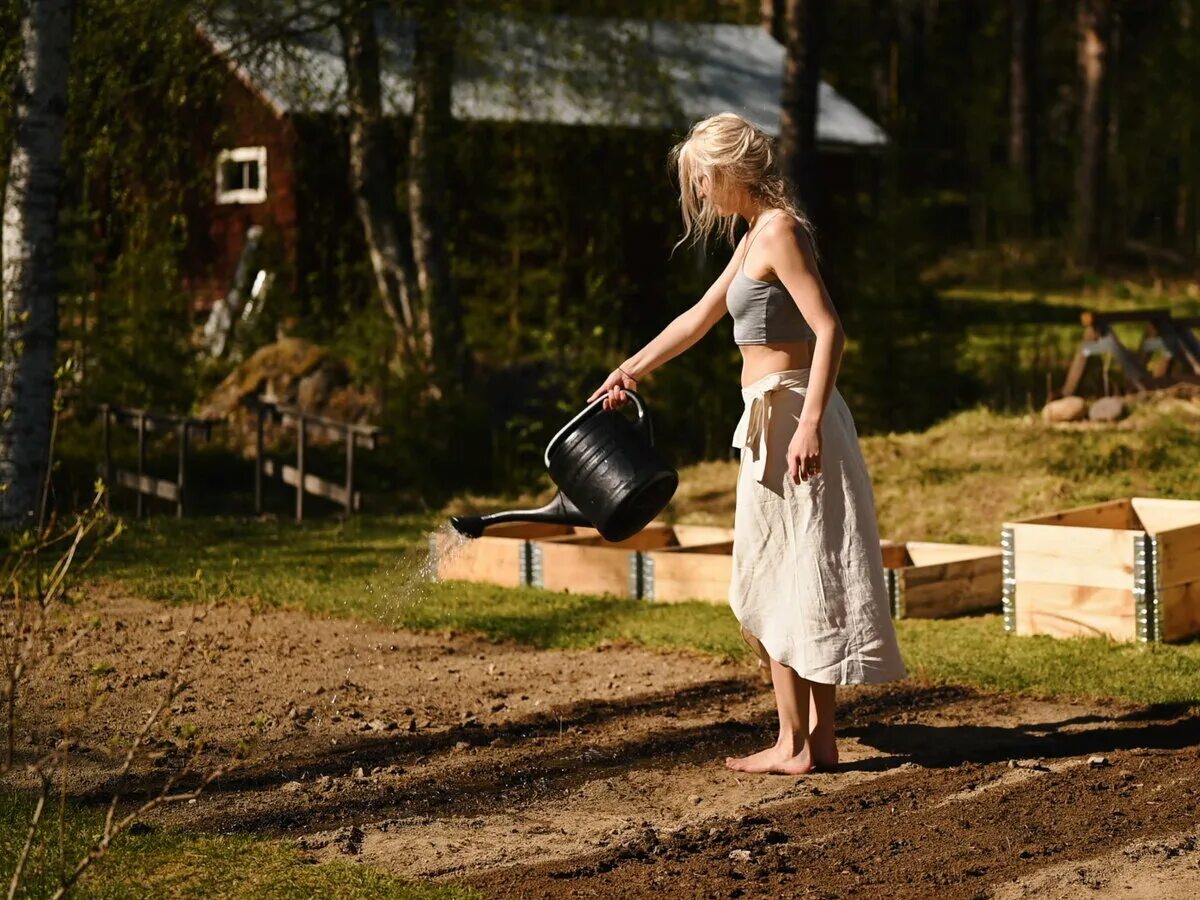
x: 788, y: 240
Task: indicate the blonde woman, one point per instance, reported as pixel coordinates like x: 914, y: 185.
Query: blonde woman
x: 808, y: 586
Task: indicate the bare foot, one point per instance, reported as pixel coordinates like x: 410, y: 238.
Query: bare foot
x: 780, y: 760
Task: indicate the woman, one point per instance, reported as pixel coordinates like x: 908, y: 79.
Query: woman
x: 807, y: 586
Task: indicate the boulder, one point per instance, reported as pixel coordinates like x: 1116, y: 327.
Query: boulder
x: 294, y: 372
x: 1108, y: 409
x: 1065, y: 409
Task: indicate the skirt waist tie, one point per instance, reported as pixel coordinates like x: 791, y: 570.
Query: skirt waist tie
x: 751, y: 433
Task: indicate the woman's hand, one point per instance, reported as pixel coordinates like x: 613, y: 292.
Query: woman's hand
x: 804, y: 453
x: 615, y: 386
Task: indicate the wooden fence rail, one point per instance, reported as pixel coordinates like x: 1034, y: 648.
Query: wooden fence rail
x: 298, y: 476
x: 146, y: 422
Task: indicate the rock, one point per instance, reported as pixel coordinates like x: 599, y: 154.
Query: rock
x: 462, y: 745
x: 1108, y: 409
x: 349, y: 840
x: 292, y: 787
x: 1066, y: 409
x: 377, y: 725
x: 739, y: 855
x: 359, y: 774
x: 314, y: 389
x: 695, y: 799
x: 1098, y: 762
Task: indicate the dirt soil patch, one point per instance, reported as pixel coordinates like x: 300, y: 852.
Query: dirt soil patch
x: 599, y: 773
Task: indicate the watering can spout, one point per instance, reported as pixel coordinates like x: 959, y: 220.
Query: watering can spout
x: 560, y: 510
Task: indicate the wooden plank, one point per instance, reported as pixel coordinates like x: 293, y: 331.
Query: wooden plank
x: 702, y: 573
x: 717, y: 547
x: 949, y: 589
x: 1111, y: 514
x: 1179, y: 556
x: 161, y: 422
x: 313, y: 484
x: 585, y: 569
x: 701, y: 534
x: 649, y: 538
x: 895, y: 555
x: 1089, y: 557
x: 495, y: 560
x: 924, y: 553
x: 148, y: 485
x: 1179, y: 612
x: 1157, y: 514
x: 527, y: 530
x: 1063, y: 610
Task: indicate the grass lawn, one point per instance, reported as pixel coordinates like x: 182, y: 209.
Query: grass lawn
x: 168, y: 863
x: 957, y: 481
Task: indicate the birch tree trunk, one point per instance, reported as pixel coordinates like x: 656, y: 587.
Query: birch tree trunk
x: 435, y: 33
x: 1093, y: 24
x: 373, y: 183
x: 804, y: 30
x: 28, y: 248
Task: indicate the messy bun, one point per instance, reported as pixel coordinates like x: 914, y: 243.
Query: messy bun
x: 731, y: 151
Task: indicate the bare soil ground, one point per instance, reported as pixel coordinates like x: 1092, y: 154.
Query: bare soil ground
x: 599, y: 773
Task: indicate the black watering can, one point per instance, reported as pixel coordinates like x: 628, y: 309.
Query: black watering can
x: 608, y: 472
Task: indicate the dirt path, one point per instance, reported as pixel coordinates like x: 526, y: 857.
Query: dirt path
x: 598, y: 773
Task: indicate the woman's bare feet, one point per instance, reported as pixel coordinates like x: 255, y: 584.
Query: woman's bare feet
x: 782, y: 759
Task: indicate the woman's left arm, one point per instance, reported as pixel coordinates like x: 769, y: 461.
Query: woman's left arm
x: 795, y: 264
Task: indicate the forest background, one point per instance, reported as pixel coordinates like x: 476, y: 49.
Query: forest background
x: 1020, y: 183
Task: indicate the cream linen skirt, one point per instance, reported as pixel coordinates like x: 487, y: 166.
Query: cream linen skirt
x: 808, y: 586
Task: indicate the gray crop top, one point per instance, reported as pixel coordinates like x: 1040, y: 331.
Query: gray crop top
x: 763, y: 311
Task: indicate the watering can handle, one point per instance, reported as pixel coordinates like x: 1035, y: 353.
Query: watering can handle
x: 643, y: 420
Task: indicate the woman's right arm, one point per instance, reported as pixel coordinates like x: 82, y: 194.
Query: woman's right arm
x: 681, y: 333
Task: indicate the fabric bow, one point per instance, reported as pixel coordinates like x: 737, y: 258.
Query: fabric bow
x: 753, y: 429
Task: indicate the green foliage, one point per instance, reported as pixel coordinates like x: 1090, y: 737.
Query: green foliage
x: 142, y: 94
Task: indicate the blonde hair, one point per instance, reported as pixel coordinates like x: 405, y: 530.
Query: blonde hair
x: 731, y: 151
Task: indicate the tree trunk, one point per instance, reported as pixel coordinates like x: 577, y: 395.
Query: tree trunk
x: 29, y: 284
x: 805, y: 33
x: 773, y: 17
x: 435, y: 33
x: 373, y: 182
x: 1093, y: 24
x: 1022, y: 107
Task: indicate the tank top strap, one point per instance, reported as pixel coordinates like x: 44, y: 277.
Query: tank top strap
x: 742, y: 268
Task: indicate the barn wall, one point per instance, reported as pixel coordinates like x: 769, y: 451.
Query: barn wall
x: 219, y: 230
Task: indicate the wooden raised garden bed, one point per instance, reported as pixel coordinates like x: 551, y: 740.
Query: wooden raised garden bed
x: 1129, y: 569
x: 500, y: 556
x: 935, y: 581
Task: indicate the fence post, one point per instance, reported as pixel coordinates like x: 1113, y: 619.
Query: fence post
x: 258, y: 461
x: 141, y: 459
x: 300, y: 441
x: 349, y: 471
x: 108, y: 465
x: 183, y: 452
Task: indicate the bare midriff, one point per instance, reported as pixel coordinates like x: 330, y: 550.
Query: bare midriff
x: 760, y: 360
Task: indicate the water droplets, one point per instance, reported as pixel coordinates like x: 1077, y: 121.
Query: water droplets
x: 409, y: 581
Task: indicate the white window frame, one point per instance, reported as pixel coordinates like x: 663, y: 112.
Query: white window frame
x: 241, y: 155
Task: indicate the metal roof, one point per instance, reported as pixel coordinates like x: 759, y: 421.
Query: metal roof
x: 562, y: 69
